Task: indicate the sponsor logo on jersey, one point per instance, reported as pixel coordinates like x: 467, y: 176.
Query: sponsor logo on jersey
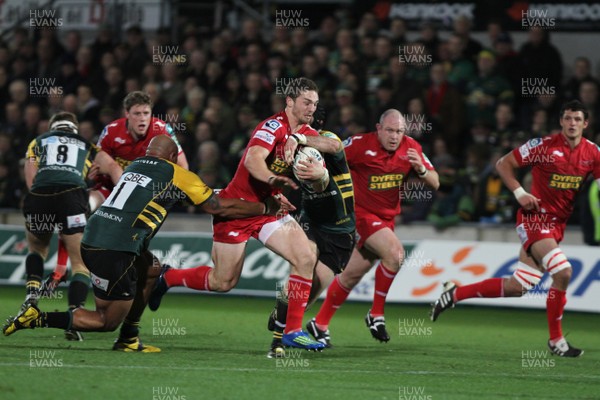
x: 558, y: 153
x: 370, y: 153
x: 279, y: 166
x: 527, y: 147
x: 586, y: 162
x: 385, y: 181
x: 271, y: 125
x: 233, y: 233
x: 377, y: 223
x: 265, y: 136
x: 120, y: 140
x: 558, y: 181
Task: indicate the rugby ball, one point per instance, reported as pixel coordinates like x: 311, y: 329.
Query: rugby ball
x: 303, y: 154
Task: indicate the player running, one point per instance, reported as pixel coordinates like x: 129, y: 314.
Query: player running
x: 116, y: 239
x: 328, y: 219
x: 379, y: 163
x: 262, y: 173
x: 560, y: 164
x: 58, y: 162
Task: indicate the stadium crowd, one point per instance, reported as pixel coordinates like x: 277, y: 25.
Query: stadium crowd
x: 465, y: 102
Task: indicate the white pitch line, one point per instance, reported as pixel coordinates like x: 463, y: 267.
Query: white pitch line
x: 308, y: 369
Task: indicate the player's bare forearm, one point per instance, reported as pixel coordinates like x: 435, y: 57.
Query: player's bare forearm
x: 182, y: 161
x: 107, y: 165
x: 324, y: 144
x: 432, y: 179
x: 506, y: 167
x: 233, y: 208
x: 255, y: 163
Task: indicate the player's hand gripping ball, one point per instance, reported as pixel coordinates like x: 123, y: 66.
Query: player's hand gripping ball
x: 303, y: 154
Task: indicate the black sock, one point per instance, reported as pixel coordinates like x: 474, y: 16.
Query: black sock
x: 129, y: 329
x: 78, y: 290
x: 61, y: 320
x: 34, y: 270
x: 281, y: 315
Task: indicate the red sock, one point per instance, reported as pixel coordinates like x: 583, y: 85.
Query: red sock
x: 336, y: 296
x: 62, y: 256
x: 298, y: 292
x: 555, y: 304
x: 193, y: 278
x: 493, y: 287
x: 383, y: 280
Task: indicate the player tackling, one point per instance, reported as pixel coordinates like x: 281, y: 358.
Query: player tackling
x: 560, y: 164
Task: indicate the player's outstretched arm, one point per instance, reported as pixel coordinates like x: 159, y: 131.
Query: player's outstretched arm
x: 107, y: 165
x: 321, y: 143
x: 236, y: 208
x: 182, y: 161
x: 506, y: 167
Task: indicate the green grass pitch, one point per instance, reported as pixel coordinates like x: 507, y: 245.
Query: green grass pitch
x: 214, y: 347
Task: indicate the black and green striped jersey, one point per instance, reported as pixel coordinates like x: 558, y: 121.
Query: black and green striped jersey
x: 139, y: 203
x: 333, y: 209
x: 62, y: 159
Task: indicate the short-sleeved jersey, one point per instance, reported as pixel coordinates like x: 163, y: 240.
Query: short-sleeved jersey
x: 271, y: 134
x: 62, y: 159
x: 558, y: 171
x: 378, y: 174
x: 333, y: 209
x: 118, y: 143
x: 139, y: 203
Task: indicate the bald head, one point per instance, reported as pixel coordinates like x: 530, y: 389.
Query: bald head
x: 391, y: 129
x: 162, y: 147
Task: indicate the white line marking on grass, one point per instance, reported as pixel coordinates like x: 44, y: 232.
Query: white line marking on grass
x: 269, y: 370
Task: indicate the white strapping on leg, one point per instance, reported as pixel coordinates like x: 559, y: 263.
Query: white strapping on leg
x: 555, y: 261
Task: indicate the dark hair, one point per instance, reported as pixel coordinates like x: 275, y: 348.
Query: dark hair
x: 136, y: 98
x: 574, y: 105
x: 297, y: 86
x: 64, y: 116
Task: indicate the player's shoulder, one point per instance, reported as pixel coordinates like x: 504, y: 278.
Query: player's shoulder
x: 273, y: 123
x: 359, y: 139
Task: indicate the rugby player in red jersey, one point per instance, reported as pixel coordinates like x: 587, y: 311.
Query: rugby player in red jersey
x: 379, y: 162
x: 262, y: 172
x: 560, y: 163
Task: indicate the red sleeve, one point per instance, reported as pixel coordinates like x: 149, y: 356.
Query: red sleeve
x: 105, y: 143
x: 529, y: 153
x: 596, y: 170
x: 351, y: 145
x: 267, y: 134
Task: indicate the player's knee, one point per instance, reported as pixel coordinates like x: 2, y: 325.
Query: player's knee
x: 393, y: 258
x: 557, y: 265
x: 528, y: 277
x: 110, y: 325
x: 304, y: 259
x: 223, y: 285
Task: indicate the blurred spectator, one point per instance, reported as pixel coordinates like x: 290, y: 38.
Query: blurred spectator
x: 114, y: 93
x: 582, y: 71
x: 539, y: 123
x: 446, y: 108
x: 209, y: 166
x: 540, y: 59
x: 88, y: 105
x: 452, y: 203
x: 486, y: 90
x: 507, y: 60
x: 462, y: 28
x: 103, y: 43
x: 368, y: 25
x: 429, y: 37
x: 343, y: 40
x: 255, y: 95
x: 494, y: 31
x: 138, y: 55
x: 404, y: 88
x: 397, y: 33
x: 192, y: 112
x: 327, y: 31
x: 504, y: 127
x: 299, y: 46
x: 87, y: 130
x: 172, y: 86
x: 588, y: 94
x: 461, y: 68
x: 494, y: 202
x: 159, y: 106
